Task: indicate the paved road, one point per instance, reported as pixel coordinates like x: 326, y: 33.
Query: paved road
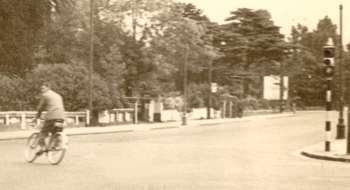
x: 253, y: 155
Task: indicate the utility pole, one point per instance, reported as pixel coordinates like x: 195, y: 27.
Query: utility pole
x: 210, y: 76
x: 348, y: 102
x: 134, y: 13
x: 184, y: 113
x: 341, y: 126
x: 281, y: 87
x: 91, y: 60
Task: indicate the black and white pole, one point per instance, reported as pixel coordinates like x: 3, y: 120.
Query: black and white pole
x: 328, y: 60
x: 328, y: 121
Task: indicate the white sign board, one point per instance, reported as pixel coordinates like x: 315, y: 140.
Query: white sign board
x: 272, y: 87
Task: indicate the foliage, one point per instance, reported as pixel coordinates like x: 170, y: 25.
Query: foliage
x: 306, y: 59
x: 21, y: 24
x: 141, y: 48
x: 252, y: 47
x: 12, y: 94
x: 197, y: 95
x: 72, y: 83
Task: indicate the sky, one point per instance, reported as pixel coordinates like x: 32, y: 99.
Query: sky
x: 284, y: 13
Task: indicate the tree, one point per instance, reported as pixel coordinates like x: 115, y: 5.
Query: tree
x: 253, y: 46
x: 70, y: 80
x: 203, y: 77
x: 12, y: 93
x: 308, y: 80
x: 21, y: 23
x: 139, y: 23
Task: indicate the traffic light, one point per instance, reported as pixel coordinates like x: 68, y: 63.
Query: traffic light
x: 328, y: 59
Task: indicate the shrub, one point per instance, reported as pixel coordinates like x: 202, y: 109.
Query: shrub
x: 71, y: 81
x: 12, y: 93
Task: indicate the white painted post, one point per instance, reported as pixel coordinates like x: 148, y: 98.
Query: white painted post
x: 23, y: 120
x: 76, y: 120
x: 87, y: 117
x: 7, y: 119
x: 136, y: 112
x: 223, y: 109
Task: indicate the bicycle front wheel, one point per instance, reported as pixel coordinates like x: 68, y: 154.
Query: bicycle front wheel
x: 32, y: 147
x: 56, y: 149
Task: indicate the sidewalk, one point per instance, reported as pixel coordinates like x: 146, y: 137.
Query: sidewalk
x: 337, y: 152
x: 23, y: 134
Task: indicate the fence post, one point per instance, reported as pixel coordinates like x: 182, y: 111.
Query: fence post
x: 7, y: 119
x: 223, y: 113
x: 136, y: 112
x: 87, y: 118
x: 76, y: 120
x: 23, y: 120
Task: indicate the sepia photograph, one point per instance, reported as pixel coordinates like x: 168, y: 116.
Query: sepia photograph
x: 174, y: 95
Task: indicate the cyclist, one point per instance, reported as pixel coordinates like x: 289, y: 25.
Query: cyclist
x: 52, y: 103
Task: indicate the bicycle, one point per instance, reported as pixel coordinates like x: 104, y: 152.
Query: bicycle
x: 54, y: 148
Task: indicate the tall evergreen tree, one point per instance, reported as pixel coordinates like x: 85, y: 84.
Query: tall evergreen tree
x: 254, y: 46
x: 308, y: 79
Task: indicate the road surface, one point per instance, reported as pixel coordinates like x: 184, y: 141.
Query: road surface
x: 249, y: 155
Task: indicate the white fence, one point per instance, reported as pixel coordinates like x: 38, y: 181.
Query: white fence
x: 112, y: 116
x: 196, y: 113
x: 116, y: 115
x: 24, y: 117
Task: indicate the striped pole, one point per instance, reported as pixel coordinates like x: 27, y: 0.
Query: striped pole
x: 328, y: 122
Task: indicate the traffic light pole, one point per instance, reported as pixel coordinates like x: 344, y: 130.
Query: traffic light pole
x: 328, y: 60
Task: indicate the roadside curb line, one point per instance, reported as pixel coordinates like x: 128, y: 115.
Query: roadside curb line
x: 100, y: 132
x: 72, y: 134
x: 323, y: 157
x: 167, y: 127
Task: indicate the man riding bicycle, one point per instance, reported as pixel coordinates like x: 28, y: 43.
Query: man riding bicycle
x: 52, y: 103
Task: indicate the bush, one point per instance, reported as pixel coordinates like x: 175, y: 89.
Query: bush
x: 251, y: 103
x: 264, y: 104
x: 197, y: 95
x: 173, y: 102
x: 12, y: 94
x: 71, y: 81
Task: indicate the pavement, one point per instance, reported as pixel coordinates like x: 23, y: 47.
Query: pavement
x: 337, y: 151
x: 316, y: 151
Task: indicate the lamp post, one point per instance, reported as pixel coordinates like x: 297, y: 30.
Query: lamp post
x: 341, y: 126
x: 281, y: 87
x: 91, y: 59
x: 348, y: 131
x: 210, y: 76
x: 184, y: 113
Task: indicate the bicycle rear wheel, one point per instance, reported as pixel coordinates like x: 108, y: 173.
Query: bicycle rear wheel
x: 32, y: 147
x: 56, y: 149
